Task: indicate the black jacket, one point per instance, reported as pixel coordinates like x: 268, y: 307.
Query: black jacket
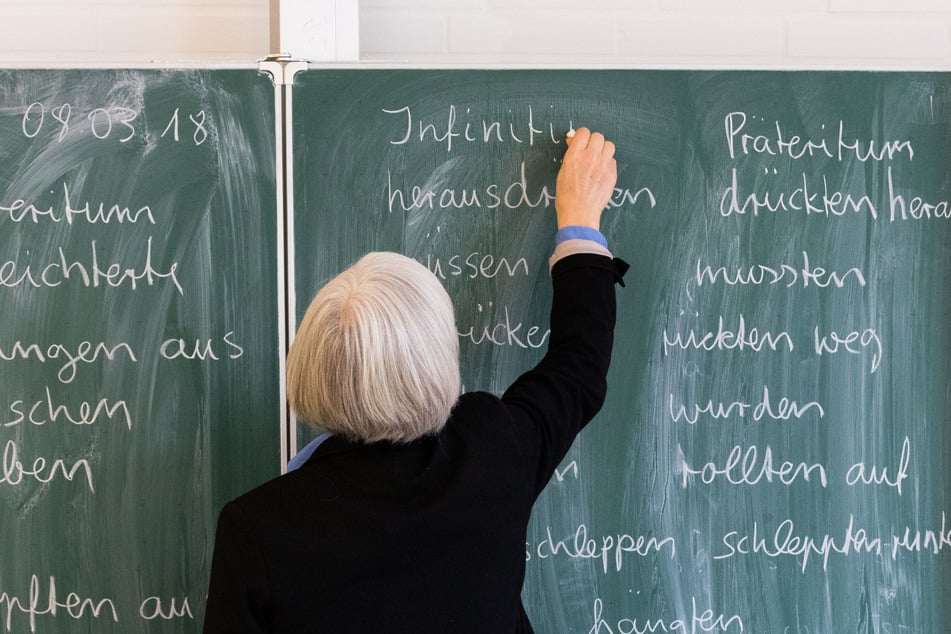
x: 426, y: 537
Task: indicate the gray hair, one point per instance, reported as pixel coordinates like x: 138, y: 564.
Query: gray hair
x: 376, y: 356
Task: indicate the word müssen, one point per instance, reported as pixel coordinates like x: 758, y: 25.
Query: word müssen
x: 476, y: 265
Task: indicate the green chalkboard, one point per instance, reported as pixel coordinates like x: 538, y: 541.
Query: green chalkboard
x: 138, y: 353
x: 772, y: 455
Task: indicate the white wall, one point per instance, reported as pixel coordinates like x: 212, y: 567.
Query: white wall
x: 787, y: 33
x: 657, y: 32
x: 113, y: 32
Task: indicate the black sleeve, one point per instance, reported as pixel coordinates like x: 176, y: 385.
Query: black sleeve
x: 237, y: 591
x: 552, y: 402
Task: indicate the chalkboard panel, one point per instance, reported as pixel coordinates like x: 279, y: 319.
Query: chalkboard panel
x: 138, y: 354
x: 771, y: 455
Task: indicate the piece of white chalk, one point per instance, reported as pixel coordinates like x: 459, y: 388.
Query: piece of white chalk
x: 571, y: 133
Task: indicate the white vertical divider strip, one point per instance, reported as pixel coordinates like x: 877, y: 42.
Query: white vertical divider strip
x: 282, y: 72
x: 290, y: 296
x: 283, y: 283
x: 299, y: 29
x: 285, y: 259
x: 290, y: 70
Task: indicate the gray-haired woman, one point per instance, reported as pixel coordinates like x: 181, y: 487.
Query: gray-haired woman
x: 412, y: 516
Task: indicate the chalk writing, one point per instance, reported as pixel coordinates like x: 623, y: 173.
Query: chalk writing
x: 916, y: 208
x: 476, y: 265
x: 471, y: 129
x: 199, y: 134
x: 84, y: 352
x: 103, y: 122
x: 89, y: 272
x: 46, y: 411
x: 783, y: 275
x: 571, y: 467
x: 103, y: 201
x: 202, y: 350
x: 21, y: 211
x: 765, y: 409
x: 860, y: 473
x: 854, y: 342
x: 14, y: 471
x: 36, y: 605
x: 785, y: 542
x: 610, y: 550
x: 775, y: 141
x: 698, y: 621
x: 100, y: 121
x: 809, y: 198
x: 931, y: 540
x: 514, y: 194
x: 506, y: 333
x: 749, y: 467
x: 726, y: 339
x: 153, y: 608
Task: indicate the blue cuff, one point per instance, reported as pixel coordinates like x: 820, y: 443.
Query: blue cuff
x: 304, y: 454
x: 575, y: 232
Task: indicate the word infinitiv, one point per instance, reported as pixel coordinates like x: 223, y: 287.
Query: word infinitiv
x: 469, y: 129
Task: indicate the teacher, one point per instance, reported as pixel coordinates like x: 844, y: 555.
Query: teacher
x: 412, y: 516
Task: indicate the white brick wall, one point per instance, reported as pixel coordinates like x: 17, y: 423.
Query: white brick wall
x: 771, y: 33
x: 75, y: 32
x: 696, y: 33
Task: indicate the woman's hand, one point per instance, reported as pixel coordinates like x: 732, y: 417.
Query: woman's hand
x: 586, y: 180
